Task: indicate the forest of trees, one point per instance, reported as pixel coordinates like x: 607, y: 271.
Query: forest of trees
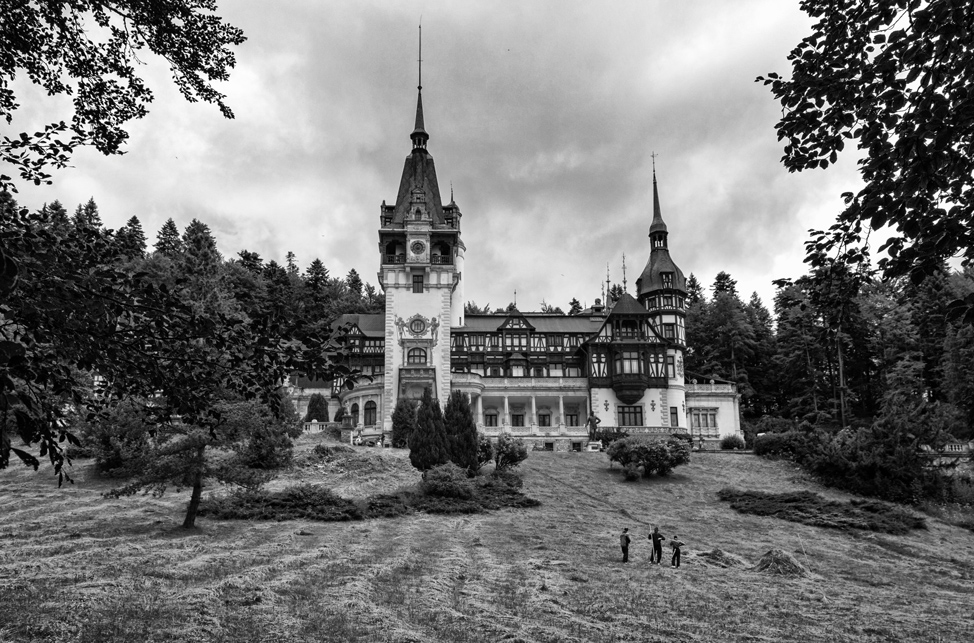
x: 92, y: 319
x: 838, y: 347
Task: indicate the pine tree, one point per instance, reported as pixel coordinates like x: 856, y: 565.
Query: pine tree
x: 251, y: 261
x: 168, y: 241
x: 428, y: 444
x: 57, y: 216
x: 724, y: 283
x: 694, y: 290
x: 131, y: 239
x: 574, y: 307
x: 317, y: 408
x: 403, y: 422
x: 86, y: 217
x: 354, y: 283
x: 201, y: 265
x: 461, y: 431
x: 291, y: 261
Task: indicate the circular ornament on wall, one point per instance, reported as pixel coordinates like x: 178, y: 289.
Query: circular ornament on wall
x: 417, y: 247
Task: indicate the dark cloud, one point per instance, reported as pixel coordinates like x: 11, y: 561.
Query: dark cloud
x: 542, y: 115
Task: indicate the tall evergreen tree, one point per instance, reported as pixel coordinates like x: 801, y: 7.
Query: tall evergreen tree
x: 201, y: 265
x: 291, y: 261
x: 724, y: 283
x: 317, y: 408
x: 428, y: 445
x: 403, y: 422
x: 86, y: 216
x: 354, y: 283
x: 694, y: 290
x: 574, y: 307
x: 57, y: 215
x: 131, y: 238
x: 168, y: 240
x: 251, y: 261
x: 461, y: 431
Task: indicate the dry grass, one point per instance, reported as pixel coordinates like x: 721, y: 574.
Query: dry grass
x: 75, y: 567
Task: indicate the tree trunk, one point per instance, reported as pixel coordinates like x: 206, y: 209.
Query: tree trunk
x: 194, y: 500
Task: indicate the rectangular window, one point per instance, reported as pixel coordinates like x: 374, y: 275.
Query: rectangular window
x: 495, y: 342
x: 516, y: 341
x: 476, y: 342
x: 674, y: 417
x: 668, y: 301
x: 417, y: 283
x: 544, y: 419
x: 554, y: 342
x: 573, y: 371
x: 577, y: 446
x: 517, y: 419
x: 670, y: 367
x: 490, y: 419
x: 629, y: 362
x: 571, y: 419
x: 669, y: 331
x: 539, y: 371
x: 667, y: 279
x: 630, y: 416
x: 556, y: 370
x: 549, y: 446
x: 517, y: 371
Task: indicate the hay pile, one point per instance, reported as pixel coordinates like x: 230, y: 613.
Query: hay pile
x: 780, y: 563
x: 720, y: 558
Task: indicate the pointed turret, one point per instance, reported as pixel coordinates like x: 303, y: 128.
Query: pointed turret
x: 419, y: 134
x: 660, y: 272
x: 657, y: 226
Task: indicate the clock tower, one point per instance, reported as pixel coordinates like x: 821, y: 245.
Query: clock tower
x: 421, y: 272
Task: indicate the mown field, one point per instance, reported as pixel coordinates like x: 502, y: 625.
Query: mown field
x: 76, y: 567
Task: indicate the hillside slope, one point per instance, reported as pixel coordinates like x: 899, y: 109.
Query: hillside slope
x: 77, y: 567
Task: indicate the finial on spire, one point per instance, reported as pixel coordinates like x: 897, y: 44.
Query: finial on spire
x: 420, y: 87
x: 419, y: 134
x: 608, y: 287
x: 451, y: 191
x: 624, y: 284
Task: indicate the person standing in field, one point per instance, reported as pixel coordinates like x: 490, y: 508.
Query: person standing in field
x: 676, y: 544
x: 657, y: 539
x: 624, y: 541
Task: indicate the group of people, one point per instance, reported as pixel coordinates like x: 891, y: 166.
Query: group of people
x: 656, y: 555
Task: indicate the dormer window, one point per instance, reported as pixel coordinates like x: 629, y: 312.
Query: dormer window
x: 667, y: 278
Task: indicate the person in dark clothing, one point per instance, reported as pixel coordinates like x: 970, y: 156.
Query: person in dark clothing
x: 624, y: 541
x: 657, y: 538
x: 676, y: 543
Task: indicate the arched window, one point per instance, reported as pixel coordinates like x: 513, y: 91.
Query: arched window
x: 416, y: 356
x: 355, y: 415
x: 370, y: 413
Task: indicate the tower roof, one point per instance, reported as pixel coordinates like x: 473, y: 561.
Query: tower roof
x: 657, y: 225
x: 420, y: 125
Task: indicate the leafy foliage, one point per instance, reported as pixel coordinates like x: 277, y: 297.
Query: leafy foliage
x: 650, y: 454
x: 447, y: 481
x: 510, y: 452
x: 485, y: 450
x: 89, y: 50
x: 894, y: 77
x: 731, y: 442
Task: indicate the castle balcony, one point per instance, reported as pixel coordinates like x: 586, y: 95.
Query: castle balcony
x: 524, y: 384
x: 469, y: 383
x: 630, y: 387
x: 442, y: 260
x: 393, y: 259
x: 711, y: 387
x: 413, y: 379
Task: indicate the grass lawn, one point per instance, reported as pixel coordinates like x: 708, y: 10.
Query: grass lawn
x: 75, y: 567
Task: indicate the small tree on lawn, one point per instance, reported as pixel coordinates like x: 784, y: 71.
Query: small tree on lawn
x: 510, y: 452
x: 317, y: 409
x: 403, y: 422
x: 485, y: 450
x: 461, y: 431
x: 428, y: 443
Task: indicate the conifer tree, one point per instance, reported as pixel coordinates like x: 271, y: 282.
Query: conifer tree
x: 168, y: 240
x: 86, y: 216
x: 574, y: 307
x: 291, y: 260
x: 57, y: 216
x: 131, y: 238
x: 251, y: 261
x: 694, y: 290
x: 403, y: 422
x: 317, y: 408
x: 461, y: 431
x: 428, y: 444
x: 354, y: 282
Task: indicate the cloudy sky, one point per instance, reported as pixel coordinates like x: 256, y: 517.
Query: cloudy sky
x: 542, y: 115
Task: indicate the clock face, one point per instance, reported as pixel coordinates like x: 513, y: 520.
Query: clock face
x: 417, y: 247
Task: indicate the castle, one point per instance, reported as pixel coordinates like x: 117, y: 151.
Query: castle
x: 536, y: 375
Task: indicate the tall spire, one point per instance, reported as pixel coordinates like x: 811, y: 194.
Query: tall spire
x: 657, y: 225
x: 419, y: 134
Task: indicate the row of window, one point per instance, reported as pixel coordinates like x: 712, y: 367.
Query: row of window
x: 517, y: 419
x: 368, y: 419
x: 518, y: 370
x: 517, y: 342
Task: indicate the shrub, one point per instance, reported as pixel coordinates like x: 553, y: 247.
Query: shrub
x: 731, y: 442
x: 651, y: 454
x: 428, y: 446
x: 778, y: 445
x: 308, y: 502
x: 317, y: 408
x: 403, y: 422
x: 510, y: 451
x: 461, y: 431
x: 118, y: 439
x: 631, y: 471
x: 269, y: 447
x: 485, y: 450
x: 505, y: 478
x: 447, y: 481
x: 608, y: 436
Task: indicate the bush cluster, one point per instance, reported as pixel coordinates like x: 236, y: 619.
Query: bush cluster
x: 649, y: 454
x: 118, y: 439
x: 731, y: 442
x: 510, y: 452
x: 447, y: 481
x: 308, y: 502
x: 812, y: 509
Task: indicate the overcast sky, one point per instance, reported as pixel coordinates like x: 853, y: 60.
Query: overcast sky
x: 542, y: 115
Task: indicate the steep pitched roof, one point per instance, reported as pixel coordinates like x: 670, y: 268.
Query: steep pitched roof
x: 371, y: 326
x: 627, y: 305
